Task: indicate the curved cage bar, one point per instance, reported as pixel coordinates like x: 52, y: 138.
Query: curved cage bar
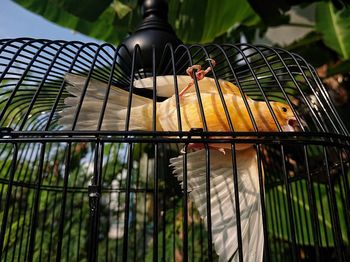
x: 98, y: 188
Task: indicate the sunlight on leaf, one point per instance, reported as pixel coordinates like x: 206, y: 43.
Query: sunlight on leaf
x: 202, y: 21
x: 335, y: 27
x: 121, y: 9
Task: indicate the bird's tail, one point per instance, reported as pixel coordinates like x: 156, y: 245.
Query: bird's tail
x: 91, y: 107
x: 223, y: 208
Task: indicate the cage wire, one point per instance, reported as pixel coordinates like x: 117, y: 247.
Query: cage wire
x: 71, y: 194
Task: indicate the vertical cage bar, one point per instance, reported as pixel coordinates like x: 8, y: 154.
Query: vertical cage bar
x: 207, y: 188
x: 34, y: 154
x: 164, y: 225
x: 94, y: 191
x: 185, y: 209
x: 174, y: 229
x: 36, y: 204
x: 8, y: 197
x: 334, y: 211
x: 262, y: 201
x: 127, y: 203
x: 313, y: 207
x: 323, y: 216
x: 289, y: 204
x: 155, y: 201
x: 145, y: 212
x: 193, y: 233
x: 236, y: 192
x: 63, y: 204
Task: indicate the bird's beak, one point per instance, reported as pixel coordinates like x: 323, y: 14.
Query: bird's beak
x: 294, y: 125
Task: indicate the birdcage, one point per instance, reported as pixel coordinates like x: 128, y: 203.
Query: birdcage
x: 83, y: 177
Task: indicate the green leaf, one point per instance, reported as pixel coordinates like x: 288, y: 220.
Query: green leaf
x: 87, y: 10
x: 335, y: 27
x: 201, y: 21
x: 121, y: 9
x: 194, y: 21
x: 107, y: 26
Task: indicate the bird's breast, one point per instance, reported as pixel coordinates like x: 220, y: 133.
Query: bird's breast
x: 210, y: 113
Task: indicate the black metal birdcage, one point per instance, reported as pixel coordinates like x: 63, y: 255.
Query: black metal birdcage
x: 70, y: 193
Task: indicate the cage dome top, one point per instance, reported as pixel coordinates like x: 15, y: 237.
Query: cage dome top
x: 34, y: 89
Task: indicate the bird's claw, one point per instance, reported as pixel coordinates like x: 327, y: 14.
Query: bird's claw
x: 190, y: 69
x: 222, y: 150
x: 200, y: 74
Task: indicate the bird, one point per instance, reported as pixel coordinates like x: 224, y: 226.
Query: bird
x: 141, y: 117
x: 142, y: 113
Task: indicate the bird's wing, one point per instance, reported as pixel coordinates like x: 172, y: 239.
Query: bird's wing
x: 166, y: 85
x: 92, y: 104
x: 223, y: 211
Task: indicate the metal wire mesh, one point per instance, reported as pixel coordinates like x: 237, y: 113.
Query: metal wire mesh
x: 110, y: 195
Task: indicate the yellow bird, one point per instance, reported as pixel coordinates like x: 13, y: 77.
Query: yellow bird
x: 223, y: 211
x: 141, y: 113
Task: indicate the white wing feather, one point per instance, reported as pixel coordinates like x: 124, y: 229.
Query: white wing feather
x: 91, y: 107
x: 115, y: 112
x: 223, y: 211
x: 165, y: 84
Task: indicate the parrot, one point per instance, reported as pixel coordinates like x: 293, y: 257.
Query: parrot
x: 141, y: 117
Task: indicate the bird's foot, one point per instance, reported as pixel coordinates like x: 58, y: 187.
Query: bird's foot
x: 199, y: 74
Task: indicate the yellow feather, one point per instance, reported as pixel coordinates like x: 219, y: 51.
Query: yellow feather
x: 215, y: 117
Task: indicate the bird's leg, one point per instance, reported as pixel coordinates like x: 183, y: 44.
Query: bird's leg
x: 200, y: 74
x: 189, y: 71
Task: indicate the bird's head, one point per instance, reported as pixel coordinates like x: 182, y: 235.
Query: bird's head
x: 286, y: 117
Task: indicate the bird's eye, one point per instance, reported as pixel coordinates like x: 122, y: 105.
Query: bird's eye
x: 284, y: 109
